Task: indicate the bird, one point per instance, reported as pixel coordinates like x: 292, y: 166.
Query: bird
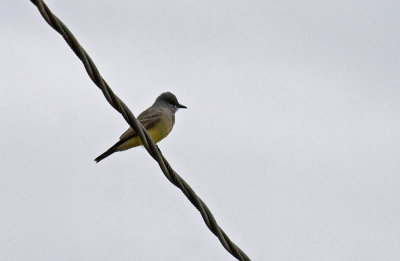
x: 158, y: 120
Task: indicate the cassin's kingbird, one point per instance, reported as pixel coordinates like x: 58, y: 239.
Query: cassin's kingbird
x: 158, y: 121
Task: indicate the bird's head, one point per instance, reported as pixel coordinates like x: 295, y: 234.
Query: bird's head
x: 170, y: 100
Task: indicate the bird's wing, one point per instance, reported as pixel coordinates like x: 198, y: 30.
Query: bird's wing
x: 148, y: 118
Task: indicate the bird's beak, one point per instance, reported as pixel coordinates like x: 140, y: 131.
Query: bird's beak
x: 181, y: 106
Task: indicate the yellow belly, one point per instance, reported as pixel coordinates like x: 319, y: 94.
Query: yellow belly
x: 157, y: 133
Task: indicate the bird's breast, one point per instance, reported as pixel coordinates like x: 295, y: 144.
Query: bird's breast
x: 161, y: 129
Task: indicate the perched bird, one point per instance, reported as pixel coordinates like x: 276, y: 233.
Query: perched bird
x: 158, y: 120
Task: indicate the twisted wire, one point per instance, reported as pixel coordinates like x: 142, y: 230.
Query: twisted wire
x: 147, y: 141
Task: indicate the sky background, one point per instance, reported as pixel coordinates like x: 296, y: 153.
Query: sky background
x: 291, y: 136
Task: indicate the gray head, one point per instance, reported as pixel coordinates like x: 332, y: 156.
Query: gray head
x: 170, y: 100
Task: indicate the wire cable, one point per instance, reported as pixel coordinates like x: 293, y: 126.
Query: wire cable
x: 147, y: 141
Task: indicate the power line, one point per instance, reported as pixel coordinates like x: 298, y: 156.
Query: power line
x: 147, y: 141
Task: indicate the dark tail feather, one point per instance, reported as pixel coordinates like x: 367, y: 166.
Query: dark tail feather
x: 104, y: 155
x: 110, y: 151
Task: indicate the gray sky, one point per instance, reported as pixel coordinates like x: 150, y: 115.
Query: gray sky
x: 291, y: 136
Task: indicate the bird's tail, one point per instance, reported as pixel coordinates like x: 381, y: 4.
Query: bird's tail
x: 105, y: 155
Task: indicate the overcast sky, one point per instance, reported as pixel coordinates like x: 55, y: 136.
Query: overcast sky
x: 291, y: 136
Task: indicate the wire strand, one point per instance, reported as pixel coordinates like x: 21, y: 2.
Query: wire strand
x: 147, y: 141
